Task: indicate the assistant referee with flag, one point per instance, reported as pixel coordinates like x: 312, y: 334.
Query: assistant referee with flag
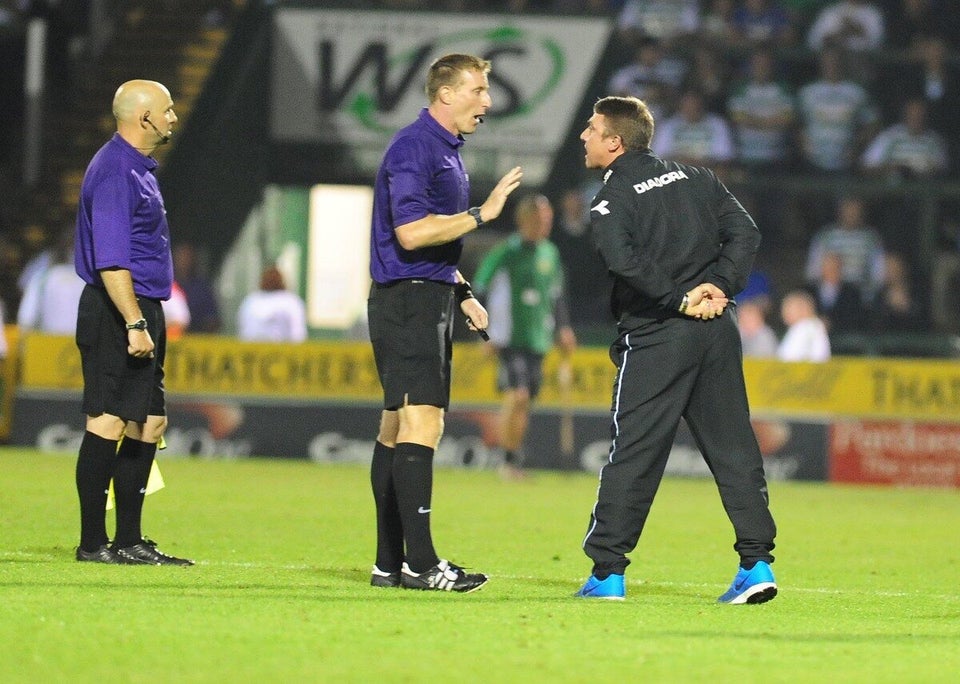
x: 123, y: 255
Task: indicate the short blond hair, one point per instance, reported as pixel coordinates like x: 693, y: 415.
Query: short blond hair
x: 448, y: 71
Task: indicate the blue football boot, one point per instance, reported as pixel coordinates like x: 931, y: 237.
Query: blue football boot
x: 751, y: 586
x: 611, y: 588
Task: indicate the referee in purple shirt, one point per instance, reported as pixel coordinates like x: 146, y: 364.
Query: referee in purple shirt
x: 420, y: 215
x: 123, y: 255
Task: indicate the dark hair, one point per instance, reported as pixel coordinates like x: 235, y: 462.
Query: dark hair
x: 628, y: 117
x: 271, y: 279
x: 448, y: 70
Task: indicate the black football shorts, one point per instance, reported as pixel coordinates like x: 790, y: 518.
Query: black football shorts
x: 411, y: 329
x: 113, y: 381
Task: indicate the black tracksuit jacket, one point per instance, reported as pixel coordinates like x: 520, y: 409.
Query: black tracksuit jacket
x: 663, y: 228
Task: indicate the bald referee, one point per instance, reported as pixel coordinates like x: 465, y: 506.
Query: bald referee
x: 123, y: 255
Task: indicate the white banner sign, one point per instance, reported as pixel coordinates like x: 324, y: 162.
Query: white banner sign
x: 354, y: 78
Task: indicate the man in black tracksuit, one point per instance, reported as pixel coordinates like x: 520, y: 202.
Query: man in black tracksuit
x: 678, y: 246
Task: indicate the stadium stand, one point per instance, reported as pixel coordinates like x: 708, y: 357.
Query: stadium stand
x: 214, y: 56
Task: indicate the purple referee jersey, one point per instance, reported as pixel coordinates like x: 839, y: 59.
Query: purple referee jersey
x: 422, y: 173
x: 121, y: 221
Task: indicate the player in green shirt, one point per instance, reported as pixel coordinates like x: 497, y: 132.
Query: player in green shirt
x: 522, y: 282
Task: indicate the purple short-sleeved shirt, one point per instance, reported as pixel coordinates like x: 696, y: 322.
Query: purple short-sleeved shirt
x: 421, y: 173
x: 121, y: 221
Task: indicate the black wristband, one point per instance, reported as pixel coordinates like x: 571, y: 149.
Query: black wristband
x: 463, y: 292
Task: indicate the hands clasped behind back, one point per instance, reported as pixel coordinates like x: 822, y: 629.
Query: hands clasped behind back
x: 706, y: 301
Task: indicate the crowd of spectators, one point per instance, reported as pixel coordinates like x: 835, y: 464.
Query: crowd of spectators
x: 800, y: 91
x: 843, y: 92
x: 827, y: 89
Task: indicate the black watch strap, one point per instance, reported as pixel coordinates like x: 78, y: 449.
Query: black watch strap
x: 138, y: 325
x: 475, y: 213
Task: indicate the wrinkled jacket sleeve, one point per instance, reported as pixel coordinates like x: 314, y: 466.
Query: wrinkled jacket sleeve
x: 613, y: 224
x: 739, y: 242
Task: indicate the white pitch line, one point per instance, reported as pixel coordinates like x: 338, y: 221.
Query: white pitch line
x: 26, y: 555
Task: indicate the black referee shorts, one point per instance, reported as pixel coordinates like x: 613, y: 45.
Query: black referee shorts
x: 113, y: 381
x: 411, y: 329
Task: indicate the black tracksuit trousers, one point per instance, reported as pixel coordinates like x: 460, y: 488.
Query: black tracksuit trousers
x: 679, y: 367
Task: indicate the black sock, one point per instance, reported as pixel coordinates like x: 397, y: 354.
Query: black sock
x: 602, y: 572
x: 129, y: 484
x: 510, y: 457
x: 95, y: 464
x: 413, y: 481
x: 389, y: 526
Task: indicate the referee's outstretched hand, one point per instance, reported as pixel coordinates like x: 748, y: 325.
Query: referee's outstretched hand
x: 498, y: 196
x: 706, y: 301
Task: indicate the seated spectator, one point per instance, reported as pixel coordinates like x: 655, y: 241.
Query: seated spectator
x: 854, y: 25
x: 858, y: 244
x: 839, y: 303
x: 716, y: 25
x: 763, y: 21
x: 763, y: 112
x: 758, y: 288
x: 837, y: 117
x: 709, y: 75
x: 935, y: 78
x: 573, y: 218
x: 176, y: 311
x: 756, y: 337
x: 589, y: 298
x: 35, y: 239
x: 806, y: 337
x: 895, y: 308
x: 51, y: 294
x: 694, y: 135
x: 198, y: 289
x: 653, y: 76
x: 661, y: 19
x: 908, y: 149
x: 272, y: 313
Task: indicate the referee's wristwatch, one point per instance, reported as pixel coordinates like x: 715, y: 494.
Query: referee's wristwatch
x: 138, y: 325
x: 475, y: 213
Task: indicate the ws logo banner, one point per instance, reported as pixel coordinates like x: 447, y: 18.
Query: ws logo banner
x: 353, y: 78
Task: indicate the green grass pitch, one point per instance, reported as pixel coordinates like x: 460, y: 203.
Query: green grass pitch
x: 869, y: 584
